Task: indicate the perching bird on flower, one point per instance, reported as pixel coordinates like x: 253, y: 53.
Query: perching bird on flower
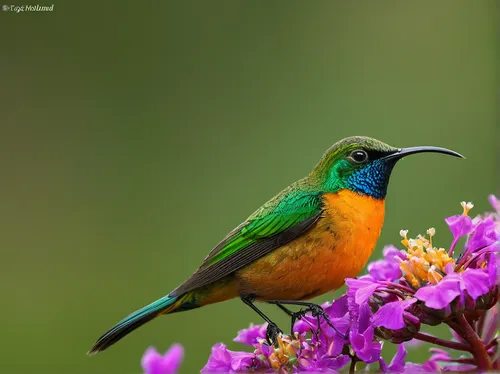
x: 323, y: 227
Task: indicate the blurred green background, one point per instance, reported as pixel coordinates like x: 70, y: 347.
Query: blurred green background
x: 135, y: 136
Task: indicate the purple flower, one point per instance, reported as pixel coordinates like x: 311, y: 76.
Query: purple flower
x: 391, y: 253
x: 397, y: 364
x: 442, y: 294
x: 360, y: 290
x: 484, y: 235
x: 338, y: 308
x: 329, y: 364
x: 474, y: 281
x: 154, y: 363
x: 388, y: 268
x: 391, y: 315
x: 493, y: 266
x: 460, y: 225
x: 362, y: 336
x: 251, y: 335
x: 384, y: 270
x: 226, y: 361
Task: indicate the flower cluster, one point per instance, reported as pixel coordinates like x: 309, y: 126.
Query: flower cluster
x: 324, y: 351
x: 418, y: 285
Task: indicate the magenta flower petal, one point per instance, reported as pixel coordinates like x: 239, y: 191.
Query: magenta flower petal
x: 219, y: 360
x: 495, y: 203
x: 431, y: 367
x: 362, y: 336
x: 460, y: 225
x: 476, y: 282
x: 242, y: 361
x: 484, y: 235
x: 491, y: 324
x: 384, y: 270
x: 397, y: 364
x: 391, y: 253
x: 410, y: 367
x: 226, y: 361
x: 264, y: 349
x: 365, y: 348
x: 173, y: 358
x: 154, y: 363
x: 493, y: 266
x: 443, y: 356
x: 442, y: 294
x: 457, y: 368
x: 331, y: 364
x: 303, y: 326
x: 439, y: 355
x: 360, y: 290
x: 390, y: 315
x: 336, y: 309
x: 249, y: 336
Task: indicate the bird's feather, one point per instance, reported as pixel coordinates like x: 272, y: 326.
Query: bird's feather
x: 278, y: 222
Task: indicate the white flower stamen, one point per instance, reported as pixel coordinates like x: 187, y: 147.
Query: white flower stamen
x: 466, y: 206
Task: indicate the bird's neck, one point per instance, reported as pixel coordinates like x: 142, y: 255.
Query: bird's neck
x: 370, y: 181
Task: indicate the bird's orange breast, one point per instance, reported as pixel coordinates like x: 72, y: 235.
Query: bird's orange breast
x: 358, y: 220
x: 337, y: 247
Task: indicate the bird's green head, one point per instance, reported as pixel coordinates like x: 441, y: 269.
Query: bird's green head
x: 363, y: 165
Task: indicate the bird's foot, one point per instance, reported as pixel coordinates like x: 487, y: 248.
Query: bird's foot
x: 297, y: 316
x: 272, y: 333
x: 318, y: 312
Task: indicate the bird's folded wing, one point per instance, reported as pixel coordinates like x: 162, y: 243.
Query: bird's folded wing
x: 277, y: 223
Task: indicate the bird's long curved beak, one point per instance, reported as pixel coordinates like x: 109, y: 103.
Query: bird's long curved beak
x: 403, y: 152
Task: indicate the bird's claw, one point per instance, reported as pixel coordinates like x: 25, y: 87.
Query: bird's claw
x: 317, y: 312
x: 297, y: 316
x: 272, y: 333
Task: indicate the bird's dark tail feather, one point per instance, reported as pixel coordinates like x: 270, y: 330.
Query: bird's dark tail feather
x: 164, y: 305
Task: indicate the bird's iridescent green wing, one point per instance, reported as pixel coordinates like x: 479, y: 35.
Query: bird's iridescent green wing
x: 282, y: 219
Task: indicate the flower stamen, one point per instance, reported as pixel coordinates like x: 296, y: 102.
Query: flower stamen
x: 424, y: 263
x: 467, y: 207
x: 403, y: 234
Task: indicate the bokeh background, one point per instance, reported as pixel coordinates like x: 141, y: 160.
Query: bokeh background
x: 134, y: 136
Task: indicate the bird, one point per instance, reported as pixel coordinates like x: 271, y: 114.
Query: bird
x: 300, y: 244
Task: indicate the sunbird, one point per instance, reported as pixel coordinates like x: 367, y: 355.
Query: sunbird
x: 300, y: 244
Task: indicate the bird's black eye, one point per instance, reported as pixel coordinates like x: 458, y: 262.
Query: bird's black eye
x: 359, y: 156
